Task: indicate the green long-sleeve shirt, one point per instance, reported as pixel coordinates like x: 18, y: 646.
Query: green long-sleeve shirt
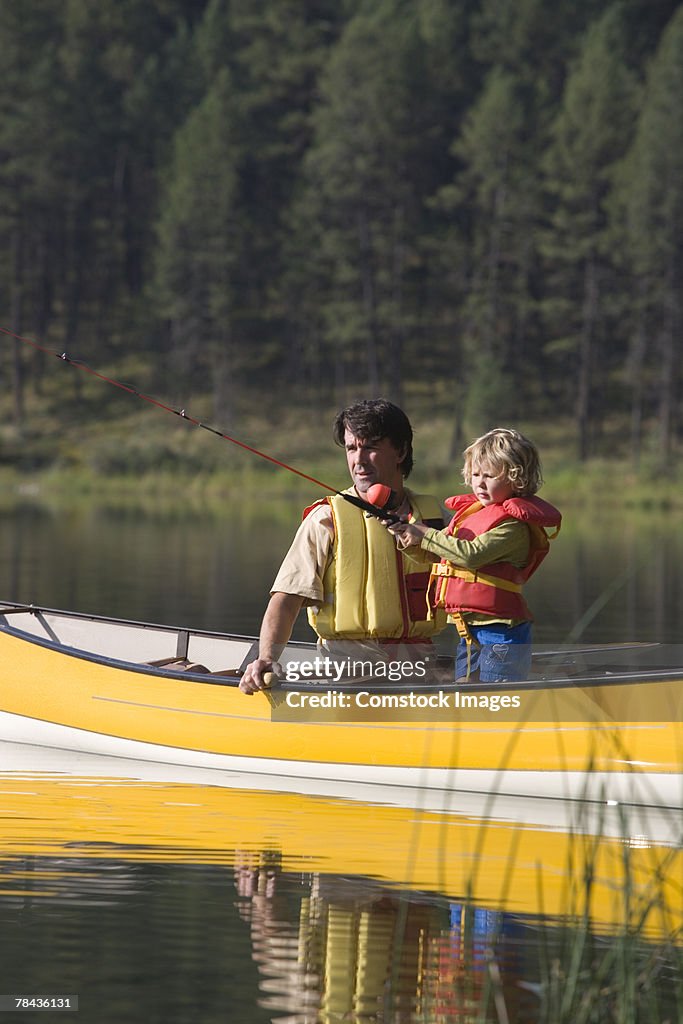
x: 508, y: 542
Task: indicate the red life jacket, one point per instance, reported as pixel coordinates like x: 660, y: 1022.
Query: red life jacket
x: 494, y: 589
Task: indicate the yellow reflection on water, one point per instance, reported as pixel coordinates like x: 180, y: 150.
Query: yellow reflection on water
x: 529, y: 857
x: 359, y: 911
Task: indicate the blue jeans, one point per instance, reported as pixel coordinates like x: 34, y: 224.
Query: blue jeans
x: 501, y: 654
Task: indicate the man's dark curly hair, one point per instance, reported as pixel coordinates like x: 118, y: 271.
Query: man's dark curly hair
x: 374, y: 419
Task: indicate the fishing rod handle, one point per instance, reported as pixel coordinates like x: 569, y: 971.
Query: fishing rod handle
x: 371, y: 510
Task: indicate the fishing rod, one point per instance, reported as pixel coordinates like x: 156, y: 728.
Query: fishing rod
x: 381, y: 496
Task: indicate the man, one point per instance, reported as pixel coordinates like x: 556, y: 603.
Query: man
x: 365, y: 598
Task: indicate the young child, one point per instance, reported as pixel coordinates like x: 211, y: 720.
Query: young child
x: 495, y: 541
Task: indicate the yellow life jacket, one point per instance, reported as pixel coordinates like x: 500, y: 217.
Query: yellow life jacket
x: 372, y: 590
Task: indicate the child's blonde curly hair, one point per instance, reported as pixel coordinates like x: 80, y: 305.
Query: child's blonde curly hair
x: 509, y: 454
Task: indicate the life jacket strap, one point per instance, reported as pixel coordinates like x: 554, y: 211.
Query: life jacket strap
x: 446, y: 569
x: 464, y: 633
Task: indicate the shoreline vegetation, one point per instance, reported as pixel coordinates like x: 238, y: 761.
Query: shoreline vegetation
x: 143, y: 459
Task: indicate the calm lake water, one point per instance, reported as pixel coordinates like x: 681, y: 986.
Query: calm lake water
x: 163, y: 900
x: 607, y: 579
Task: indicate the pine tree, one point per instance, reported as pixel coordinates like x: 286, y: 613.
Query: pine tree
x: 33, y: 158
x: 201, y: 235
x: 364, y: 192
x: 498, y: 186
x: 130, y: 79
x: 649, y: 208
x: 591, y: 132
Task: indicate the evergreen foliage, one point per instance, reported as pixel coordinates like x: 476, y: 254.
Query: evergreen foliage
x: 478, y: 201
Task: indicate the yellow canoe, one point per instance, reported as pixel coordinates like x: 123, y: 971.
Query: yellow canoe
x: 87, y: 683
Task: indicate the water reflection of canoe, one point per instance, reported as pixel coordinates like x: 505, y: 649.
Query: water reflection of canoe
x: 583, y: 728
x: 522, y: 856
x: 345, y: 907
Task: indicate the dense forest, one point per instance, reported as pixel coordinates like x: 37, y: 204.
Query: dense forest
x: 479, y: 202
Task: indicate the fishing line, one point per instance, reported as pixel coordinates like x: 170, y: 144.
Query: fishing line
x: 130, y: 389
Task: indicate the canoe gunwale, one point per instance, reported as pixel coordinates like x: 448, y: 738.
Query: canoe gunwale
x: 35, y: 609
x: 635, y: 677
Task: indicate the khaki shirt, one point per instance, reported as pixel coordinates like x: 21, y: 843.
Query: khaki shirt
x: 304, y: 566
